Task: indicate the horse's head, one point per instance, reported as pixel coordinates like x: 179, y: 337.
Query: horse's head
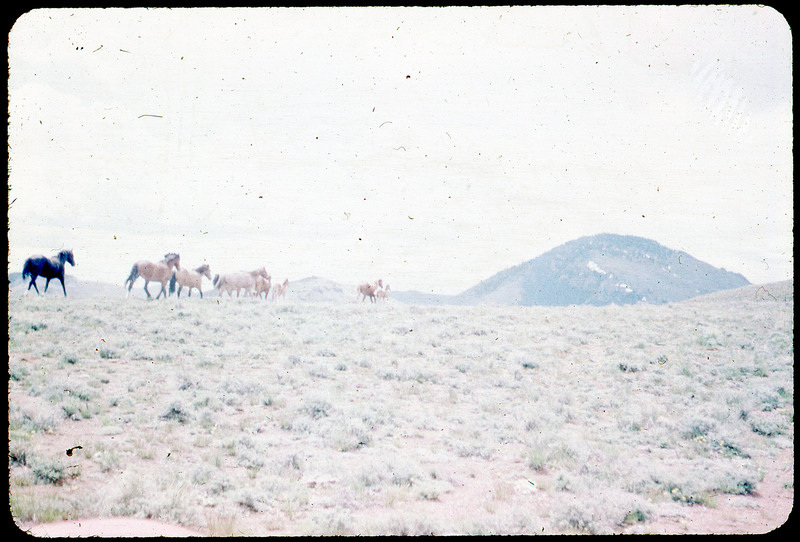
x: 66, y: 256
x: 173, y: 259
x: 204, y: 270
x: 263, y: 272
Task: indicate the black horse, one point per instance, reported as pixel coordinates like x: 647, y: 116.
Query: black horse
x: 49, y: 268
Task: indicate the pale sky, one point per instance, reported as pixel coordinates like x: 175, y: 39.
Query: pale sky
x: 431, y: 147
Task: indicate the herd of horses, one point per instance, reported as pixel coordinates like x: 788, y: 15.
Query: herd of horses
x: 169, y: 271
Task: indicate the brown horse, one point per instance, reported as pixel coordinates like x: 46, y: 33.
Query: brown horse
x: 368, y: 290
x: 190, y: 279
x: 279, y: 290
x: 239, y: 281
x: 156, y: 272
x: 262, y: 286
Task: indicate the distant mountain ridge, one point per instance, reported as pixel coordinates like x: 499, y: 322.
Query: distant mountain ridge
x: 600, y: 270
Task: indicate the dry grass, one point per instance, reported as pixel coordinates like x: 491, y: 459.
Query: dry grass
x: 238, y: 417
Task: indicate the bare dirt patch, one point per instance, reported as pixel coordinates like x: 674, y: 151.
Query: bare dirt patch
x: 109, y: 527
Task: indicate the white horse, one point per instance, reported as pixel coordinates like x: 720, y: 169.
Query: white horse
x: 239, y: 281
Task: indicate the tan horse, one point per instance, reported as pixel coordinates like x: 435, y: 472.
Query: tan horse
x: 368, y: 290
x: 190, y: 279
x: 156, y: 272
x: 383, y: 295
x: 238, y: 281
x: 263, y: 286
x: 279, y: 290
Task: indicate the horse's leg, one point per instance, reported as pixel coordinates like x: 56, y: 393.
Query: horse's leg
x: 33, y: 283
x: 146, y: 282
x: 46, y: 284
x: 62, y: 286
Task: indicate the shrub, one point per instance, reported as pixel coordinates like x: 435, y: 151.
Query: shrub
x: 598, y: 510
x: 18, y: 373
x: 630, y: 368
x: 316, y: 408
x: 107, y: 460
x: 17, y: 452
x: 46, y: 418
x: 35, y: 508
x: 350, y: 435
x: 108, y: 353
x: 766, y: 428
x: 697, y: 428
x: 538, y: 455
x: 176, y: 412
x: 49, y: 471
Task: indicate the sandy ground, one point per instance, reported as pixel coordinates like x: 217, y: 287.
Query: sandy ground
x: 109, y: 527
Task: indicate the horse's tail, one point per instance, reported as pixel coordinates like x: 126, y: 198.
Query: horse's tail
x: 27, y: 268
x: 172, y: 282
x: 133, y: 275
x: 216, y: 278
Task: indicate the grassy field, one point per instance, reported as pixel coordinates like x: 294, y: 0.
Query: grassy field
x: 241, y: 417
